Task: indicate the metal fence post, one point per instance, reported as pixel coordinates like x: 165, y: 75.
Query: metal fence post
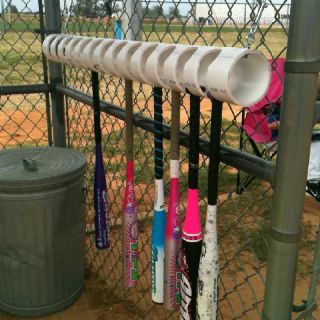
x: 53, y: 24
x: 3, y: 21
x: 132, y: 20
x: 293, y: 155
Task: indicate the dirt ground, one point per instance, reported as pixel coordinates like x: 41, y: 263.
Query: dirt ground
x: 100, y: 303
x: 94, y: 304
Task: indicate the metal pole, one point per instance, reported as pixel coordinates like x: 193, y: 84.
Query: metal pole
x: 53, y: 24
x: 9, y: 12
x: 3, y: 25
x: 300, y: 89
x: 288, y: 15
x: 245, y: 14
x: 132, y: 20
x: 45, y: 73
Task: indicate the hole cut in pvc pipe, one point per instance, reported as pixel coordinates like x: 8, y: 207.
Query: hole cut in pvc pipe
x: 69, y: 50
x: 122, y: 60
x: 238, y: 76
x: 99, y: 53
x: 61, y: 49
x: 87, y: 53
x: 78, y: 58
x: 155, y: 62
x: 47, y: 43
x: 194, y: 73
x: 108, y: 62
x: 54, y: 48
x: 171, y: 71
x: 137, y: 65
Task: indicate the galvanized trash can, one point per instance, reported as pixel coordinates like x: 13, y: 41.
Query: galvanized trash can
x: 42, y: 229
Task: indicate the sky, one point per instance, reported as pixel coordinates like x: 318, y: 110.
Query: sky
x: 184, y: 5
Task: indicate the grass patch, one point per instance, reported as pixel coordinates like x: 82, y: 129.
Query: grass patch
x: 255, y: 241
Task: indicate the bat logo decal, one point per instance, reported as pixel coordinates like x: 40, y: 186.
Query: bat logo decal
x: 186, y: 291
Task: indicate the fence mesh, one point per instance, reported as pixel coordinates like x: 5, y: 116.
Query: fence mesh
x: 243, y: 217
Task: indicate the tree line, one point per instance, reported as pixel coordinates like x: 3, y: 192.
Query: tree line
x: 102, y: 8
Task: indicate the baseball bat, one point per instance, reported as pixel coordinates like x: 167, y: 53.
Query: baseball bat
x: 130, y: 220
x: 159, y: 215
x: 191, y: 230
x: 172, y: 265
x: 101, y: 203
x: 207, y: 295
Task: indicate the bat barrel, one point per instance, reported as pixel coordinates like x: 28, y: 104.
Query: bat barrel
x: 191, y: 231
x: 189, y: 267
x: 157, y: 244
x: 207, y: 290
x: 130, y: 273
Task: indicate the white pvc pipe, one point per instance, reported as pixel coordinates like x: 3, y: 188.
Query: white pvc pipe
x: 108, y: 62
x: 137, y: 66
x: 88, y: 51
x: 62, y: 47
x: 171, y: 70
x: 77, y: 53
x: 47, y: 43
x: 122, y: 60
x: 155, y: 62
x: 238, y: 76
x: 53, y: 50
x: 233, y: 75
x: 99, y: 52
x: 194, y: 73
x: 69, y: 50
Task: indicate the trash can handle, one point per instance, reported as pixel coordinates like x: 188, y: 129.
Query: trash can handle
x: 30, y: 164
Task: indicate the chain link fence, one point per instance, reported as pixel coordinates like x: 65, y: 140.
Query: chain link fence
x: 23, y: 119
x: 244, y: 207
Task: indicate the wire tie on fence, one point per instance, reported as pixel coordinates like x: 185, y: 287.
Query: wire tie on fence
x: 306, y: 66
x: 300, y: 308
x: 308, y: 311
x: 285, y: 237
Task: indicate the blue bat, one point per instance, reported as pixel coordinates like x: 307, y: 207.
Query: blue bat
x: 159, y: 215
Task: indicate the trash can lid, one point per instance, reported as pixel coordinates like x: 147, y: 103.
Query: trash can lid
x: 39, y: 168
